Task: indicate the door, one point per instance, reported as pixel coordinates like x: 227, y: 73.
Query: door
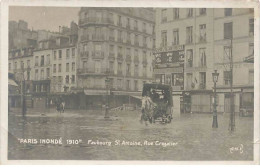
x: 227, y: 103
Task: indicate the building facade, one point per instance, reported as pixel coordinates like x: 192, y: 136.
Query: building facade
x: 115, y: 44
x: 201, y: 34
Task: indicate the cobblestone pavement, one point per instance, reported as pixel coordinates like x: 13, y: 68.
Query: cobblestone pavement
x: 189, y: 137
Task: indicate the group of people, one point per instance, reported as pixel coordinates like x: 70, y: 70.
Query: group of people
x: 60, y: 105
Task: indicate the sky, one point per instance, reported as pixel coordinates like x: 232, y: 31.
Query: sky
x: 48, y: 18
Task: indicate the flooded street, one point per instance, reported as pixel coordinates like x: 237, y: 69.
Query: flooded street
x: 188, y: 137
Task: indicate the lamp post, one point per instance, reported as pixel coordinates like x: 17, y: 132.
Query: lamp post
x: 107, y: 81
x: 215, y: 75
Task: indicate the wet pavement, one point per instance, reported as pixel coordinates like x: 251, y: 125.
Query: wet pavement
x: 86, y: 135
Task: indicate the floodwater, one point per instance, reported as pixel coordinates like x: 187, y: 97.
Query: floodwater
x: 86, y: 135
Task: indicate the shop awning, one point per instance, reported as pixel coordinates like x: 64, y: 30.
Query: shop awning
x: 12, y: 82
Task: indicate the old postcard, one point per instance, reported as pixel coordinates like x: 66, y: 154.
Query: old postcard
x: 129, y: 81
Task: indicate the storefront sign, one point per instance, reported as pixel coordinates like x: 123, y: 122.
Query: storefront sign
x: 173, y: 54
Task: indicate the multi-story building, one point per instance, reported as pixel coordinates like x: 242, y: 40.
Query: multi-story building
x: 200, y: 34
x: 115, y: 43
x: 64, y: 67
x: 234, y: 27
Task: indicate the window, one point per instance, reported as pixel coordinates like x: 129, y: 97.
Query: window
x: 227, y: 54
x: 111, y: 34
x: 128, y: 85
x: 176, y: 13
x: 60, y: 54
x: 97, y: 67
x: 67, y: 67
x: 189, y: 37
x: 73, y: 79
x: 28, y: 63
x: 136, y: 70
x: 111, y: 66
x: 228, y: 30
x: 84, y: 64
x: 36, y: 61
x: 251, y: 49
x: 73, y: 67
x: 136, y: 85
x: 203, y: 11
x: 111, y: 48
x: 164, y: 15
x: 15, y: 65
x: 175, y: 37
x: 202, y: 33
x: 144, y: 27
x: 119, y: 83
x: 68, y: 53
x: 97, y: 47
x: 119, y: 37
x: 251, y: 27
x: 136, y: 25
x: 189, y: 12
x: 42, y: 60
x: 48, y: 59
x: 55, y: 55
x: 189, y: 84
x: 228, y: 11
x: 110, y: 18
x: 36, y: 74
x: 48, y: 72
x: 128, y: 52
x: 144, y: 41
x: 136, y: 40
x: 54, y: 68
x: 144, y: 71
x: 98, y: 16
x: 42, y: 74
x: 73, y: 52
x: 128, y: 38
x: 119, y: 23
x: 177, y: 79
x: 22, y: 65
x: 28, y: 75
x: 67, y: 79
x: 144, y: 56
x: 9, y: 66
x: 202, y: 52
x: 189, y: 58
x: 128, y: 69
x: 251, y: 77
x: 164, y: 38
x: 202, y: 80
x: 128, y: 23
x: 59, y: 67
x: 227, y: 78
x: 119, y: 68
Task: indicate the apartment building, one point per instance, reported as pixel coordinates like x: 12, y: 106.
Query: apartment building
x: 234, y: 27
x: 116, y: 43
x: 199, y: 33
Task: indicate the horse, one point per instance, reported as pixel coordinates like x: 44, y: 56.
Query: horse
x: 147, y: 109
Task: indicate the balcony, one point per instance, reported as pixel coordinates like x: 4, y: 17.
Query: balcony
x: 202, y: 86
x: 99, y: 37
x: 84, y: 54
x: 84, y: 38
x: 111, y: 56
x: 128, y: 58
x: 98, y: 55
x: 95, y: 20
x: 111, y: 38
x: 93, y: 71
x: 120, y: 57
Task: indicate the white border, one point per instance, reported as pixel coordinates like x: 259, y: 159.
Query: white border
x: 122, y: 3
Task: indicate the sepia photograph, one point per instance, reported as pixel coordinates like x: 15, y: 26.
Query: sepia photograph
x: 131, y: 83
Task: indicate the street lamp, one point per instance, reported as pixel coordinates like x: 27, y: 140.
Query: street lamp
x: 107, y: 81
x: 215, y: 75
